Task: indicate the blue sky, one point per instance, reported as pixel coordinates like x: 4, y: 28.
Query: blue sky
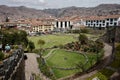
x: 44, y: 4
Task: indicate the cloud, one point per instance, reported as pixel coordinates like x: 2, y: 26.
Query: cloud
x: 42, y: 1
x: 40, y: 4
x: 29, y: 1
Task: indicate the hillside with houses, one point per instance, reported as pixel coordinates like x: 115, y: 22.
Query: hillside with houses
x: 25, y: 12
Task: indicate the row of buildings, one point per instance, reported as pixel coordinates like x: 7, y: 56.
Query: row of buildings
x: 62, y: 24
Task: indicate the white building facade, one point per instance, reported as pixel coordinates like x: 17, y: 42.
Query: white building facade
x: 102, y: 22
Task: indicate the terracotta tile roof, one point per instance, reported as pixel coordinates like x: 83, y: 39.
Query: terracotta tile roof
x: 101, y: 17
x: 37, y: 23
x: 76, y: 18
x: 113, y: 16
x: 63, y: 19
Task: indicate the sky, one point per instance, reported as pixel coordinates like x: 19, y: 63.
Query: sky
x: 45, y: 4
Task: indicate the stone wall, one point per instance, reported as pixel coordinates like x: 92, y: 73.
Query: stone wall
x: 20, y: 72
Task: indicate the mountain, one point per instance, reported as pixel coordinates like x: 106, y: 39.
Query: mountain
x: 24, y: 12
x: 102, y: 9
x: 20, y: 12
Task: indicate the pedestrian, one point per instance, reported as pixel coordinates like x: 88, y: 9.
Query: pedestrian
x: 7, y: 48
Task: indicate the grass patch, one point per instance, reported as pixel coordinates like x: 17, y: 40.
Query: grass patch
x: 63, y: 73
x: 99, y: 75
x: 45, y: 52
x: 103, y: 74
x: 52, y: 40
x: 65, y: 59
x: 107, y: 72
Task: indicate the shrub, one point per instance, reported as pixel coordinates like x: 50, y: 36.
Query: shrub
x: 31, y: 46
x: 45, y: 69
x: 15, y: 46
x: 118, y: 48
x: 1, y: 56
x: 74, y: 31
x: 84, y: 30
x: 83, y: 39
x: 36, y: 50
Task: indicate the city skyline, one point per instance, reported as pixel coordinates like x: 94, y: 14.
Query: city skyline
x: 45, y: 4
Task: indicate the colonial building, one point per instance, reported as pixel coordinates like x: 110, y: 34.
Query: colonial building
x: 63, y: 24
x: 101, y: 22
x: 42, y: 27
x: 77, y: 22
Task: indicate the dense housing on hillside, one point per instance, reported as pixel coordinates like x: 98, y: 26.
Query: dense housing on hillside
x: 62, y: 24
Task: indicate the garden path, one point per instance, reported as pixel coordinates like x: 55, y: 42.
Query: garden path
x: 49, y: 53
x: 31, y: 66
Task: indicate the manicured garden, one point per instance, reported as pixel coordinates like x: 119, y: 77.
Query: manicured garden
x: 66, y: 60
x: 59, y: 39
x: 63, y: 55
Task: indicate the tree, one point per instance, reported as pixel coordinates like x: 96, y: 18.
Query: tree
x: 14, y: 37
x: 41, y: 43
x: 31, y: 45
x: 83, y: 39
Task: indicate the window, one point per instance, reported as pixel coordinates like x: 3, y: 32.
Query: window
x: 103, y: 21
x: 115, y: 24
x: 57, y: 23
x: 97, y: 21
x: 107, y: 19
x: 107, y: 24
x: 65, y: 23
x: 115, y: 19
x: 111, y: 20
x: 91, y: 22
x: 61, y: 24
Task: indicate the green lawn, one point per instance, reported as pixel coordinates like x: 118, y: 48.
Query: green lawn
x: 60, y: 39
x: 98, y: 75
x: 52, y: 40
x: 92, y: 37
x: 45, y: 52
x: 62, y: 58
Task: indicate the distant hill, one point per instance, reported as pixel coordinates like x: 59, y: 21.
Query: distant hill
x: 20, y: 12
x: 24, y: 12
x: 103, y: 9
